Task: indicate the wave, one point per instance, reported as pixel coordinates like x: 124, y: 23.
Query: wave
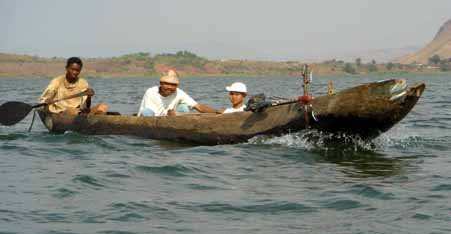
x: 312, y: 140
x: 88, y: 180
x: 13, y: 136
x: 176, y: 170
x: 266, y: 207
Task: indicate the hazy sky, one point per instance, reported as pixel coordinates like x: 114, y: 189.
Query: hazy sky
x: 252, y: 29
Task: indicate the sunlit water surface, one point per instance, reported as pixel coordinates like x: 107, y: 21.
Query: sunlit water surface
x: 72, y: 183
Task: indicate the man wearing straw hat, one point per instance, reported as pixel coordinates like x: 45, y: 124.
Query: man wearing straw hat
x: 163, y: 100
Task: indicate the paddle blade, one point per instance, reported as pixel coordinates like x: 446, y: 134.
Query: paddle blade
x: 13, y: 112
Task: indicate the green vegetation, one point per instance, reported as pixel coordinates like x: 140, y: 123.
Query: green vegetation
x: 141, y: 56
x: 348, y: 68
x: 444, y: 64
x: 389, y: 66
x: 181, y: 58
x: 358, y: 62
x: 372, y: 66
x: 188, y: 63
x: 434, y: 59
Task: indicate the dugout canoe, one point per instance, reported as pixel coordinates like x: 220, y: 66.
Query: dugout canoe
x: 366, y: 110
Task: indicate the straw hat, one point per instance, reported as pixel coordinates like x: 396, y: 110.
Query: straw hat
x: 237, y: 87
x: 171, y: 77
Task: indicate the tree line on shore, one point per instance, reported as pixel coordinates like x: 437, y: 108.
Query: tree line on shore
x: 435, y: 62
x: 188, y: 63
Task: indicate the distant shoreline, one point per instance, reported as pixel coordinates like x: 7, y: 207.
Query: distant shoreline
x: 188, y: 64
x: 237, y: 75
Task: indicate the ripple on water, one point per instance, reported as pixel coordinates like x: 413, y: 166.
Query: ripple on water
x: 114, y: 174
x: 13, y: 136
x: 370, y: 192
x: 136, y: 211
x: 9, y: 215
x: 422, y: 216
x: 343, y: 204
x: 115, y: 232
x: 176, y: 170
x: 442, y: 187
x: 13, y: 147
x: 43, y: 216
x: 88, y: 180
x: 74, y: 141
x: 64, y: 193
x: 129, y: 217
x: 60, y: 232
x: 275, y: 207
x: 203, y: 187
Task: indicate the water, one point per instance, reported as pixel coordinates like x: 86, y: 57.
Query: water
x: 71, y: 183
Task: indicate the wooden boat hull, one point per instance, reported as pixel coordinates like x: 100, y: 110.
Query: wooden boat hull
x: 366, y: 110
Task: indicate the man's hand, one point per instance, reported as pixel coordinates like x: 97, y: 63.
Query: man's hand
x: 90, y: 92
x: 171, y: 113
x: 48, y: 101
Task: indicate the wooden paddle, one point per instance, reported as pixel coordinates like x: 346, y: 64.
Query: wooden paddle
x: 13, y: 112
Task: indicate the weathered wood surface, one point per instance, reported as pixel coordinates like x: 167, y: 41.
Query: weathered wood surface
x: 365, y: 110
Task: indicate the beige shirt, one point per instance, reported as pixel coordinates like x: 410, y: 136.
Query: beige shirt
x: 59, y: 88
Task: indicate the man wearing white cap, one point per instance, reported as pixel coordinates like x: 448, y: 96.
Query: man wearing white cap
x: 237, y: 93
x: 164, y: 99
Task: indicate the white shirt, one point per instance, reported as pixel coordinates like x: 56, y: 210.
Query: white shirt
x: 160, y: 105
x: 231, y: 109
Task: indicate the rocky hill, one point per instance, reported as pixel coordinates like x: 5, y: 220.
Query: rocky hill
x: 440, y: 45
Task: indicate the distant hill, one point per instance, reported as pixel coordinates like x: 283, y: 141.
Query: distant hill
x: 440, y: 45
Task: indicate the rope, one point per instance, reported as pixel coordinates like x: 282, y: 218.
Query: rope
x: 32, y: 121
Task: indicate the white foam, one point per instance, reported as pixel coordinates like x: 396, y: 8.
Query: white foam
x: 313, y: 139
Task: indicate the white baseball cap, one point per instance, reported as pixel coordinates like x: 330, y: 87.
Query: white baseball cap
x: 237, y: 87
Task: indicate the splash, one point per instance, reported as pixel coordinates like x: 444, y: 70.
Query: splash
x: 314, y: 139
x: 310, y: 140
x: 399, y: 137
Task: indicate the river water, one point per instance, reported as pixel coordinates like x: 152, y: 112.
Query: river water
x: 71, y: 183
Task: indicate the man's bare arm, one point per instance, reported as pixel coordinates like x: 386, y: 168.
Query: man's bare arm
x: 205, y: 109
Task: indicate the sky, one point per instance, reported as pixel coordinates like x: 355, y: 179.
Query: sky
x: 239, y: 29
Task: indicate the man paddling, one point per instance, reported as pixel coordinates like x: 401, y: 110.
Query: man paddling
x: 67, y: 85
x: 163, y: 100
